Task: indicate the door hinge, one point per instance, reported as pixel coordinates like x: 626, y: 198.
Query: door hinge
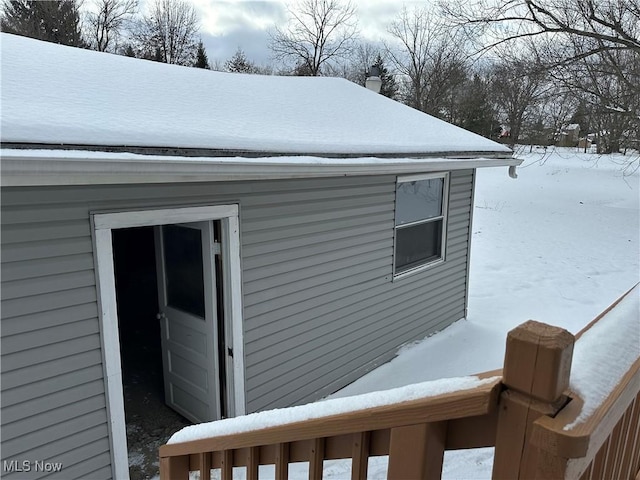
x: 230, y: 351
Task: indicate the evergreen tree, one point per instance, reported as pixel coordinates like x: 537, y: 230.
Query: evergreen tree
x: 202, y: 61
x: 475, y: 109
x: 239, y: 63
x: 389, y: 86
x: 55, y: 21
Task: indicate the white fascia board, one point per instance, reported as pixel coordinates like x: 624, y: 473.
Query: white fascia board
x: 59, y: 167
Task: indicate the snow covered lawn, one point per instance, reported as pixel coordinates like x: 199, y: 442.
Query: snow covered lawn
x: 558, y: 245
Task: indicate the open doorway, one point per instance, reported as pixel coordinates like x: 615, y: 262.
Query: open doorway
x: 219, y: 245
x: 149, y: 421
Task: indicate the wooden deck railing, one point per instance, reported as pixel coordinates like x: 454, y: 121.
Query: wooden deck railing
x: 523, y: 414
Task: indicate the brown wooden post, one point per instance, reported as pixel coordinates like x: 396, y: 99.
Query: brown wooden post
x: 316, y: 459
x: 416, y: 451
x: 536, y: 372
x: 282, y: 461
x: 253, y: 463
x: 205, y: 465
x: 360, y: 456
x: 226, y: 469
x: 174, y: 468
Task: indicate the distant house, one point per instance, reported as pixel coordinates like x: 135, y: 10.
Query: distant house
x: 586, y: 142
x: 569, y: 135
x: 272, y: 238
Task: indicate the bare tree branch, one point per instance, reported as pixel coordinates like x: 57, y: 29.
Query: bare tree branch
x: 108, y: 20
x: 318, y: 32
x: 589, y: 46
x: 429, y: 54
x: 169, y: 32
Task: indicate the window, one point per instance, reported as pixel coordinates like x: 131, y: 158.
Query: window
x: 421, y: 205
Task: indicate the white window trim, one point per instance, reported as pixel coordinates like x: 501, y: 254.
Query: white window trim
x: 103, y: 224
x: 445, y: 215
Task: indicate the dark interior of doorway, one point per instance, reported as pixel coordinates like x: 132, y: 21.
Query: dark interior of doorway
x: 149, y: 421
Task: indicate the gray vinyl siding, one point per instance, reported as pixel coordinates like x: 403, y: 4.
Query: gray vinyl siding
x: 321, y: 306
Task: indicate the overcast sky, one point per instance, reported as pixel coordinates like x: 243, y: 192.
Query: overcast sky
x: 227, y: 25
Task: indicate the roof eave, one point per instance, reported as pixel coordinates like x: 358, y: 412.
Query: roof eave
x: 163, y: 151
x: 20, y: 168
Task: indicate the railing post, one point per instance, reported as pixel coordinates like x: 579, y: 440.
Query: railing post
x: 536, y: 372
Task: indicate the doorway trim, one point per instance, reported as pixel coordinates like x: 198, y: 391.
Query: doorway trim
x: 102, y: 225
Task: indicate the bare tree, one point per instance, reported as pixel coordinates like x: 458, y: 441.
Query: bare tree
x: 609, y: 82
x: 584, y: 43
x: 411, y: 30
x: 362, y: 57
x: 518, y: 86
x: 169, y: 32
x: 558, y: 110
x: 613, y: 24
x: 318, y: 32
x: 108, y: 20
x: 430, y: 55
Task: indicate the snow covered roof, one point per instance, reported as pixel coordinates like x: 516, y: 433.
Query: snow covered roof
x: 53, y: 95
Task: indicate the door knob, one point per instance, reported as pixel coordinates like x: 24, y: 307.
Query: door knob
x: 161, y: 315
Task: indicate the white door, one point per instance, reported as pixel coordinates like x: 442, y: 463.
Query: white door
x: 188, y: 316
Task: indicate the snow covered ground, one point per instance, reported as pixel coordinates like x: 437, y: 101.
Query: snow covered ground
x: 558, y: 245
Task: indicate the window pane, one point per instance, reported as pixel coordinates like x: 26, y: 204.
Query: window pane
x: 418, y: 200
x: 183, y: 269
x: 418, y: 244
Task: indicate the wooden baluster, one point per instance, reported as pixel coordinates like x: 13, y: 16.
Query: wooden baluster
x: 536, y: 372
x: 205, y: 466
x: 633, y: 441
x: 174, y: 468
x: 634, y: 461
x: 614, y: 447
x: 360, y: 456
x: 316, y: 459
x: 282, y: 461
x: 624, y: 442
x: 227, y: 465
x: 253, y: 462
x: 416, y: 451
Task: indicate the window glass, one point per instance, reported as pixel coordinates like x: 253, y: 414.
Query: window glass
x: 184, y: 269
x: 418, y: 200
x: 420, y: 220
x: 418, y: 244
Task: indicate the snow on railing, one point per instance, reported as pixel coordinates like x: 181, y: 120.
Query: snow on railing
x: 597, y: 435
x: 542, y: 425
x: 328, y: 408
x: 431, y: 417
